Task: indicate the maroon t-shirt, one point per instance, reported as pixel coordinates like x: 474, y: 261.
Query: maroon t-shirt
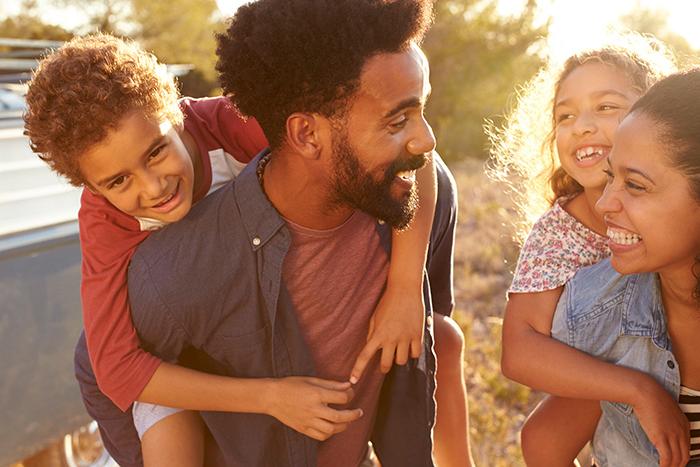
x: 335, y: 278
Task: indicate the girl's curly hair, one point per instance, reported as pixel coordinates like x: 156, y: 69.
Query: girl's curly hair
x: 83, y: 90
x: 523, y: 151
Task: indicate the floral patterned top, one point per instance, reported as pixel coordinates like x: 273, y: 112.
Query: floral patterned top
x: 558, y: 245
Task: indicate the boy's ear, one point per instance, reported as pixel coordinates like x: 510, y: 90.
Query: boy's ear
x: 305, y: 134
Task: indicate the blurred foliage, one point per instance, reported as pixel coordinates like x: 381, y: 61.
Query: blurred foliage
x: 655, y: 22
x: 28, y: 25
x: 476, y: 58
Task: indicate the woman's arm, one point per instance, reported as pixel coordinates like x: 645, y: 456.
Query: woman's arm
x: 397, y: 324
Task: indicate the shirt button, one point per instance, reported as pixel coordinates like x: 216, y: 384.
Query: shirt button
x: 670, y: 364
x: 256, y: 241
x: 380, y: 221
x: 429, y: 321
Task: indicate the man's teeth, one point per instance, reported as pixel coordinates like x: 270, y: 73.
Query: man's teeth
x: 407, y: 174
x: 588, y: 151
x: 623, y: 238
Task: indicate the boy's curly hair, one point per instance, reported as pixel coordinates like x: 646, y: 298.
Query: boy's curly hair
x: 84, y: 89
x: 523, y: 151
x: 278, y: 57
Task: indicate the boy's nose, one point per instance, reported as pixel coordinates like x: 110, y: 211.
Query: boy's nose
x: 424, y: 140
x: 154, y: 185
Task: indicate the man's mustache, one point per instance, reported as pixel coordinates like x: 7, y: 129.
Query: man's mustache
x: 414, y: 162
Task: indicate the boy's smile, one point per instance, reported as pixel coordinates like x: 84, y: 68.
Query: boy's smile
x: 143, y: 168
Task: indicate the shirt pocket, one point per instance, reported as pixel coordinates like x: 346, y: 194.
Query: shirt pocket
x: 245, y: 355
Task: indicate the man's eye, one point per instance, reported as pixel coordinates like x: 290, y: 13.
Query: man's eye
x: 397, y: 125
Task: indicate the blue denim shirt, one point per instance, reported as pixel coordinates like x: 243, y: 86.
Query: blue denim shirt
x: 236, y: 311
x: 619, y: 319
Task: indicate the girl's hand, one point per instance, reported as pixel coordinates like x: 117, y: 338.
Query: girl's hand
x: 665, y: 425
x: 302, y: 403
x: 396, y: 328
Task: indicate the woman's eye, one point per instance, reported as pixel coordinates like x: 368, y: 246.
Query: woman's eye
x: 634, y: 186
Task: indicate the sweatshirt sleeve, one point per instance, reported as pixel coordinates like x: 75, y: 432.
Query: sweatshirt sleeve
x: 108, y: 239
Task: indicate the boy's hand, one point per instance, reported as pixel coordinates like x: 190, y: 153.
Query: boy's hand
x: 665, y: 425
x: 396, y: 328
x: 301, y: 403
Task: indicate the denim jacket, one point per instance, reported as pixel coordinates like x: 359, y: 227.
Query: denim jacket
x: 619, y: 319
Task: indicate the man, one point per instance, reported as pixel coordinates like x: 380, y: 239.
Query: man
x: 285, y: 265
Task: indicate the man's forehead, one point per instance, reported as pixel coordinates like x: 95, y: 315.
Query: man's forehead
x: 396, y: 76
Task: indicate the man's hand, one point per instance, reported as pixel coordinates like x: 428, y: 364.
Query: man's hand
x: 302, y: 403
x: 665, y: 425
x: 396, y: 328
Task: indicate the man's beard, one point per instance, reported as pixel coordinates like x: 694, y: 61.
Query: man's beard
x: 353, y: 186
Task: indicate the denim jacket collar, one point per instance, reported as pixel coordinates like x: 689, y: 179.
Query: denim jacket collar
x: 643, y: 311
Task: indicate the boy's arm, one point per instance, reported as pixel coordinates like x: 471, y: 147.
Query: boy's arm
x: 301, y: 403
x: 397, y: 324
x: 532, y: 357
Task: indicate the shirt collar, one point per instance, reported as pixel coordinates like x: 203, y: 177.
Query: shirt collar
x: 260, y: 218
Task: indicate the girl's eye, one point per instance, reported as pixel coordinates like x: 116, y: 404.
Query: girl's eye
x: 562, y: 117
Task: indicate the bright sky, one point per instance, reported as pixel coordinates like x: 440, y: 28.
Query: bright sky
x: 572, y: 20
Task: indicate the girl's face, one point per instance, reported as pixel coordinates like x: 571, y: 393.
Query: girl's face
x: 652, y: 218
x: 589, y: 106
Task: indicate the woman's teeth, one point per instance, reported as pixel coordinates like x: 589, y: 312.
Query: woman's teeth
x: 588, y: 152
x: 623, y: 238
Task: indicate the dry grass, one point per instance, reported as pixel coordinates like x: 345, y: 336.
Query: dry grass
x: 485, y: 256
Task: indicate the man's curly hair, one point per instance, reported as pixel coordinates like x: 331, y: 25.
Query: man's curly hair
x: 83, y: 90
x: 278, y: 57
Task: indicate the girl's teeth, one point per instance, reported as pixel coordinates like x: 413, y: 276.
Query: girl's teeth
x: 623, y: 238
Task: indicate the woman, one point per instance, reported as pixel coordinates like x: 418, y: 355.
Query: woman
x: 648, y: 318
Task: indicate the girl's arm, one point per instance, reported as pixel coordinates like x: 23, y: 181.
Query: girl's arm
x: 397, y: 324
x: 531, y: 357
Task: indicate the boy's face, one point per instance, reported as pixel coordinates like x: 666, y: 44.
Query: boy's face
x: 143, y: 169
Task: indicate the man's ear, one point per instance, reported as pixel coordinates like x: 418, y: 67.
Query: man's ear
x: 304, y: 134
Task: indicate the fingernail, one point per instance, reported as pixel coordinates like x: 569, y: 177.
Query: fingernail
x: 353, y: 380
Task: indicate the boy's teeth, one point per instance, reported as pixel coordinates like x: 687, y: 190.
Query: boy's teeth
x: 623, y: 238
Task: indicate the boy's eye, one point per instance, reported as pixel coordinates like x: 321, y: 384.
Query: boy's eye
x: 156, y: 152
x: 117, y: 181
x: 604, y: 107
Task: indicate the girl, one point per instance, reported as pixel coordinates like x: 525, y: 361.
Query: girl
x: 587, y: 97
x: 647, y: 319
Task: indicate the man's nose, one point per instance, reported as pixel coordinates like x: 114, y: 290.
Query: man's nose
x: 423, y: 141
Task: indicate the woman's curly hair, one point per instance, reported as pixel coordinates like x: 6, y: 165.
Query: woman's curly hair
x: 523, y: 151
x: 83, y: 90
x: 278, y: 57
